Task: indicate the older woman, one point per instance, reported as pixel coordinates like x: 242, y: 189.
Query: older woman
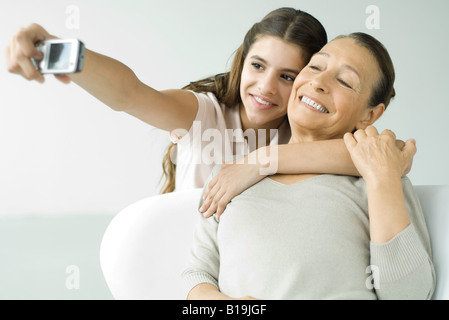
x: 325, y: 236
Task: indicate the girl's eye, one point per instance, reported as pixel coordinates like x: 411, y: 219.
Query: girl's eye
x: 287, y: 77
x: 257, y: 66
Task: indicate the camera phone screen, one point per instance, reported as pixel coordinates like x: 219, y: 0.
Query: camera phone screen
x: 59, y: 56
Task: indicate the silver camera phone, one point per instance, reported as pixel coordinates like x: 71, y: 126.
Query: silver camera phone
x: 60, y: 56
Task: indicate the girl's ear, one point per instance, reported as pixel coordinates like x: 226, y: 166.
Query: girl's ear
x: 371, y: 115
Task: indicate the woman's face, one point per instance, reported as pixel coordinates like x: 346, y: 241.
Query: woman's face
x: 330, y: 96
x: 269, y: 71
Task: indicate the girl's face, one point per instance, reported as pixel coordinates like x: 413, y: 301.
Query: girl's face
x: 269, y: 71
x: 330, y: 96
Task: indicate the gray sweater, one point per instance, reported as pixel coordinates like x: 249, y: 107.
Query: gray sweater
x: 310, y: 240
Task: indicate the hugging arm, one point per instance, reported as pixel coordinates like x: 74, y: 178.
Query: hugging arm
x: 319, y: 157
x: 326, y: 156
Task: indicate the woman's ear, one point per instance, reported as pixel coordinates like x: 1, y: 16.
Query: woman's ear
x: 371, y: 115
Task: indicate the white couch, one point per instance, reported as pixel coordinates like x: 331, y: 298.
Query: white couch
x: 435, y: 204
x: 145, y: 248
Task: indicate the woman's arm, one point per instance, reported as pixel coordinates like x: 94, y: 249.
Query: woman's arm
x: 206, y: 291
x: 381, y: 165
x: 201, y: 274
x: 400, y: 245
x: 110, y: 81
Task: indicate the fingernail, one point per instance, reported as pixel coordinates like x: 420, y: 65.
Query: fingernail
x: 37, y: 55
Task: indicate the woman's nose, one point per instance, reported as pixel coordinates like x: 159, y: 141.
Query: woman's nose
x: 320, y: 83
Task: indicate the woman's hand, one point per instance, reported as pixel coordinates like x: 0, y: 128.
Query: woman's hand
x: 378, y: 155
x: 22, y: 48
x: 232, y: 179
x: 382, y: 164
x: 207, y: 291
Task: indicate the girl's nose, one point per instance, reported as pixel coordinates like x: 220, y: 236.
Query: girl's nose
x: 268, y: 85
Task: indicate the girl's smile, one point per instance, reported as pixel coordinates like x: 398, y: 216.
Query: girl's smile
x: 269, y: 70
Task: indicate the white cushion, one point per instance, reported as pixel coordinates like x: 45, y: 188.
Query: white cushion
x: 145, y: 247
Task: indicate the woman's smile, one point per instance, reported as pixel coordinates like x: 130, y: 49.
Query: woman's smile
x: 330, y: 95
x: 312, y: 103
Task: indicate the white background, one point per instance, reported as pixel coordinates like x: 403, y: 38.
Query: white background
x: 62, y: 151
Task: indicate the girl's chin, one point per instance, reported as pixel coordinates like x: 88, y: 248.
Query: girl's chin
x: 262, y: 118
x: 267, y: 122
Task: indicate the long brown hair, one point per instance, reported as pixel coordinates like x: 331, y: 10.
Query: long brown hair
x: 291, y: 25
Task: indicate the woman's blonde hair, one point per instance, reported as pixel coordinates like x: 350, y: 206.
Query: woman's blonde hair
x: 291, y: 25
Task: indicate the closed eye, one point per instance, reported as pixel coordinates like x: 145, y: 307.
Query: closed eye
x: 344, y: 83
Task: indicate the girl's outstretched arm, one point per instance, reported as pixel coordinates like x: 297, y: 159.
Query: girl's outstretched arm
x: 110, y: 81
